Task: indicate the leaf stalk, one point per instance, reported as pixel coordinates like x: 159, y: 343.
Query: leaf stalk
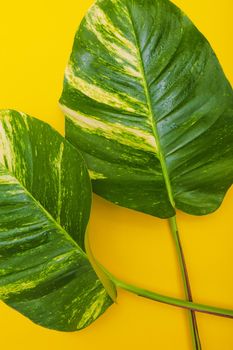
x: 186, y: 284
x: 212, y: 310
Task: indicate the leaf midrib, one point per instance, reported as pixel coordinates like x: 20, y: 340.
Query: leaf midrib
x: 49, y: 216
x: 152, y: 118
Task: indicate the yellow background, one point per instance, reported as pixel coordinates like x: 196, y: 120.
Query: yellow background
x: 35, y: 42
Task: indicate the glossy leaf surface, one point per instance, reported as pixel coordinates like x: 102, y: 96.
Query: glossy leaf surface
x: 45, y: 199
x: 148, y: 104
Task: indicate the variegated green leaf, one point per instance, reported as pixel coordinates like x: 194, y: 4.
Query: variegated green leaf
x: 148, y: 104
x: 45, y: 199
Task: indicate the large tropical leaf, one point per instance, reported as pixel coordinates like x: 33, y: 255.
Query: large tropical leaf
x: 148, y: 104
x: 45, y: 199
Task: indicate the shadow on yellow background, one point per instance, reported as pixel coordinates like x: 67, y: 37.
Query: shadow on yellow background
x: 36, y: 39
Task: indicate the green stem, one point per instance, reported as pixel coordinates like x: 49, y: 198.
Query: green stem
x: 186, y: 283
x: 169, y: 300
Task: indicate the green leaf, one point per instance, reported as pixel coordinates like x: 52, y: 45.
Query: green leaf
x: 45, y: 200
x: 148, y: 104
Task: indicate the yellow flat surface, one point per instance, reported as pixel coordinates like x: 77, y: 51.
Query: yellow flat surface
x: 35, y: 42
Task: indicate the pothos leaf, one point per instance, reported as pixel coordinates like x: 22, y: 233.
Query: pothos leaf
x: 148, y: 104
x: 45, y: 199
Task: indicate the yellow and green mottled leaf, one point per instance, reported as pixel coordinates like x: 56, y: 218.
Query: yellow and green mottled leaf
x: 148, y: 104
x: 45, y: 200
